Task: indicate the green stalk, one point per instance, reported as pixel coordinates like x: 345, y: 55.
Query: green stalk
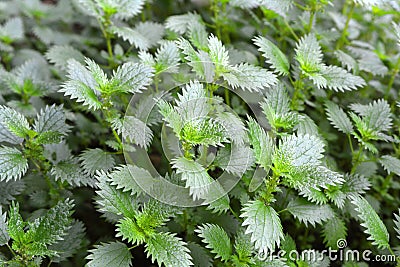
x: 392, y: 78
x: 343, y: 37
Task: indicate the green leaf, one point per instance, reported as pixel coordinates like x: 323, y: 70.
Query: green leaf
x: 276, y: 108
x: 12, y: 30
x: 52, y: 118
x: 13, y: 164
x: 235, y: 159
x: 233, y: 125
x: 15, y: 223
x: 264, y: 225
x: 308, y: 212
x: 296, y: 151
x: 121, y: 9
x: 112, y: 200
x: 126, y: 177
x: 397, y: 224
x: 390, y: 164
x: 81, y: 85
x: 376, y: 115
x: 70, y: 243
x: 338, y: 79
x: 375, y: 228
x: 216, y: 239
x: 338, y: 118
x: 144, y: 36
x: 333, y: 230
x: 53, y: 225
x: 309, y: 54
x: 201, y: 257
x: 263, y: 145
x: 4, y: 237
x: 96, y: 159
x: 132, y: 77
x: 167, y: 249
x: 218, y: 53
x: 70, y: 171
x: 249, y: 77
x: 181, y: 23
x: 110, y: 254
x: 133, y: 129
x: 128, y: 230
x: 60, y: 54
x: 274, y: 56
x: 167, y: 58
x: 13, y: 121
x: 197, y: 179
x: 10, y: 189
x: 243, y: 247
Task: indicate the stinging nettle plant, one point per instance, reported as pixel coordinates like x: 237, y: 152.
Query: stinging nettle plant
x: 199, y: 133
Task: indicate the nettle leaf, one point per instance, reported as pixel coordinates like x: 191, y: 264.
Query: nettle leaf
x: 125, y: 177
x: 243, y: 246
x: 333, y: 230
x: 376, y: 115
x: 53, y: 225
x: 200, y: 255
x: 113, y: 200
x: 297, y: 151
x: 375, y: 228
x: 390, y: 164
x: 60, y: 54
x: 276, y: 108
x: 4, y: 237
x: 249, y: 4
x: 249, y: 77
x: 263, y: 145
x: 233, y: 125
x: 369, y: 3
x: 347, y: 61
x: 70, y: 171
x: 397, y: 223
x: 282, y: 7
x: 110, y: 254
x: 13, y: 121
x: 308, y: 212
x: 218, y: 53
x: 81, y: 85
x: 143, y: 36
x: 167, y: 249
x: 52, y: 118
x: 13, y: 164
x: 96, y: 159
x: 134, y: 130
x: 338, y: 79
x: 12, y: 30
x: 167, y: 58
x: 10, y: 189
x: 199, y: 61
x: 309, y: 54
x: 396, y: 28
x: 70, y: 243
x: 197, y: 179
x: 198, y: 35
x: 235, y: 159
x: 274, y: 56
x: 353, y: 185
x: 338, y: 118
x: 15, y: 222
x: 264, y: 225
x: 128, y: 230
x: 132, y: 77
x: 216, y: 239
x: 181, y: 23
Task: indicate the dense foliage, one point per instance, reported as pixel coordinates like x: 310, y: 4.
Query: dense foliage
x: 199, y: 133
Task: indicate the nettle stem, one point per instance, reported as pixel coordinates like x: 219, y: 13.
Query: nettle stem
x: 105, y: 24
x: 343, y: 37
x: 392, y: 78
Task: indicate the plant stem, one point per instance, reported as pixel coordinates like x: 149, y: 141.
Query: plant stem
x: 392, y: 78
x: 357, y: 160
x: 291, y: 30
x: 311, y: 20
x: 343, y: 37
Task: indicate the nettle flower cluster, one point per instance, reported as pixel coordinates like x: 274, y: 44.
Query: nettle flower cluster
x: 243, y: 157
